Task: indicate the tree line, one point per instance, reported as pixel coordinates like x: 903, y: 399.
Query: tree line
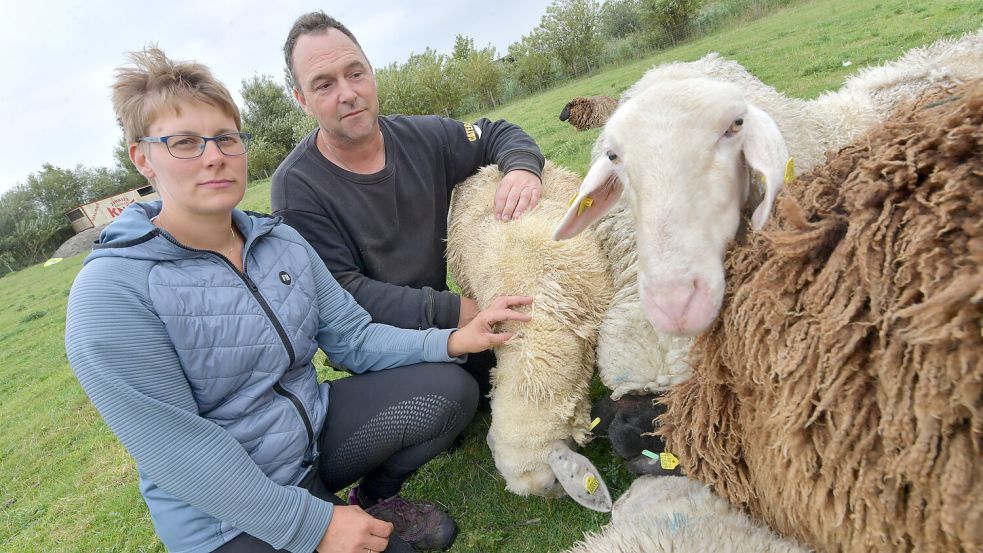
x: 573, y: 38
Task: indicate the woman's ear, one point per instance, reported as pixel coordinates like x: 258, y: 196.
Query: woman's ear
x: 138, y: 155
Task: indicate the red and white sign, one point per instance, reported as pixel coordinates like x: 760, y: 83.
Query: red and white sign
x: 101, y: 212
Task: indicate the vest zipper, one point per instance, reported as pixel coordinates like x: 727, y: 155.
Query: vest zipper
x: 254, y: 290
x: 278, y: 388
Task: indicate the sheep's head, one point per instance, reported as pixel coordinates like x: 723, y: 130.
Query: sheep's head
x: 563, y: 471
x: 680, y: 151
x: 565, y: 113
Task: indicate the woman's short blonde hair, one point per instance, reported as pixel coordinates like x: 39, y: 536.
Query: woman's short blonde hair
x: 152, y: 83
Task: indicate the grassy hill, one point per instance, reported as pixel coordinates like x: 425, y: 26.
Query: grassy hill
x: 67, y: 485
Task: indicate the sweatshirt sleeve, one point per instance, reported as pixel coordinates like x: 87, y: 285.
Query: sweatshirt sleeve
x: 485, y: 142
x: 127, y: 365
x: 348, y: 336
x: 390, y: 304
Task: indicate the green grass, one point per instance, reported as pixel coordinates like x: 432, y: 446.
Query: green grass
x: 67, y: 485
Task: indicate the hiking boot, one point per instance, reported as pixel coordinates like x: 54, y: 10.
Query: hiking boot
x: 422, y: 525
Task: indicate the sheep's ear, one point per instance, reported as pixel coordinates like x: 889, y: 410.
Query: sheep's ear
x: 579, y: 478
x: 766, y: 153
x: 598, y: 194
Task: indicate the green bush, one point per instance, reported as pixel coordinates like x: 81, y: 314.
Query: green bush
x: 621, y: 18
x: 712, y: 17
x: 264, y: 157
x: 532, y: 66
x: 303, y: 127
x: 570, y: 29
x: 631, y: 47
x: 673, y: 17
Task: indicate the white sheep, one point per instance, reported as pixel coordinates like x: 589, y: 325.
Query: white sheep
x: 681, y: 144
x: 673, y: 513
x: 632, y: 357
x: 540, y: 386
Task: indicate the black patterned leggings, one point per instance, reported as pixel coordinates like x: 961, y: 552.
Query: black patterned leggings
x: 382, y: 427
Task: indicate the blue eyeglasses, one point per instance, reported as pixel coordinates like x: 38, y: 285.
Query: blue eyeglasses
x: 190, y: 146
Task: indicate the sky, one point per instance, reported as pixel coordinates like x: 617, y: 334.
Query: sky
x: 59, y: 56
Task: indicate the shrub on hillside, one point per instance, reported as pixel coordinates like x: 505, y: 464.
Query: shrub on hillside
x: 571, y: 30
x: 532, y: 66
x: 673, y: 17
x: 264, y: 157
x: 621, y: 18
x: 632, y: 47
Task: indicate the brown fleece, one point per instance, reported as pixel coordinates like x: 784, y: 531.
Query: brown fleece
x: 839, y: 396
x: 590, y: 112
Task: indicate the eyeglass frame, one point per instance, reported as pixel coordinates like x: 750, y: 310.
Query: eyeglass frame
x: 244, y: 136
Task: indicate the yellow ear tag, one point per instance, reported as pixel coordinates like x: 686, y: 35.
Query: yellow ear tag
x: 668, y: 461
x: 591, y: 484
x: 584, y: 204
x: 594, y: 423
x: 789, y: 170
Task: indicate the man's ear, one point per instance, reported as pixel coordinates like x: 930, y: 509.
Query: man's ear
x: 138, y: 155
x: 299, y: 96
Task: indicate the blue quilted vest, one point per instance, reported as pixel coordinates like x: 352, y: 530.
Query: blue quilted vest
x: 245, y: 342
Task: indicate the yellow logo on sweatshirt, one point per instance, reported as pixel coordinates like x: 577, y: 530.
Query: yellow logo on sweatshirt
x: 469, y: 130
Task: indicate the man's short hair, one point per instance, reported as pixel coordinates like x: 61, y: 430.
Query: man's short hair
x: 152, y: 83
x: 308, y: 24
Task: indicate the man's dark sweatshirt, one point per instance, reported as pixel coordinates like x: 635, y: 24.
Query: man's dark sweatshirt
x: 383, y: 236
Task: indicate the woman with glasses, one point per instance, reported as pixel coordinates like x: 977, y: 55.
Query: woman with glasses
x: 192, y: 326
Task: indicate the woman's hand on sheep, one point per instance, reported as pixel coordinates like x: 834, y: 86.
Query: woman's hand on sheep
x: 479, y: 334
x: 519, y: 191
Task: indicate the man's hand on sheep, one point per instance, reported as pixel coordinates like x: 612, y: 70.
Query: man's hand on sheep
x: 479, y: 334
x: 469, y: 308
x: 519, y: 190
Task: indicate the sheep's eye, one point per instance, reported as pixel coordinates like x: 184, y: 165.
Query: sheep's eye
x: 735, y: 126
x: 612, y: 156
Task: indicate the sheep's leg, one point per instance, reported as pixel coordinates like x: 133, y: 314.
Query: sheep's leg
x: 579, y: 478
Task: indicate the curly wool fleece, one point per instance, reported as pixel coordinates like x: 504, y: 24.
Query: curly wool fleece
x: 839, y: 397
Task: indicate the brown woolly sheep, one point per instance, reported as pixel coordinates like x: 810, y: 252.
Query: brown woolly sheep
x: 588, y: 112
x: 839, y: 396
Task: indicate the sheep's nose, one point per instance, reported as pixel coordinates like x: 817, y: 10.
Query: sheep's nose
x: 681, y: 308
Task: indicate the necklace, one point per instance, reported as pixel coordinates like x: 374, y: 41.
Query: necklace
x: 337, y: 158
x: 334, y: 154
x: 159, y: 221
